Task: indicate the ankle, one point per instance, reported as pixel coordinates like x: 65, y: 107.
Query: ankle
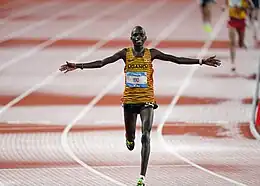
x: 233, y: 68
x: 142, y: 177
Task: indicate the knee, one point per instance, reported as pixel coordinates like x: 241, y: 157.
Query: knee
x: 145, y: 137
x: 232, y: 42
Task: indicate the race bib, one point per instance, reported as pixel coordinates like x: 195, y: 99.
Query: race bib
x: 233, y: 3
x: 136, y: 79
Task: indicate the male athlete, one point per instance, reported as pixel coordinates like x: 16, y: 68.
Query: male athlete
x: 237, y: 24
x: 138, y: 97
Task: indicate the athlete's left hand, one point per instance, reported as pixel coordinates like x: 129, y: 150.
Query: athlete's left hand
x: 211, y: 61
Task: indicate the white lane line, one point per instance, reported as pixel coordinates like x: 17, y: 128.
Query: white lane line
x: 63, y: 34
x: 90, y: 50
x: 97, y: 167
x: 98, y: 45
x: 186, y: 82
x: 64, y: 136
x: 45, y: 21
x: 29, y: 10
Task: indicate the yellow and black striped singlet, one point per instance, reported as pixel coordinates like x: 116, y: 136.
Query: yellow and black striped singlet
x: 235, y: 12
x: 138, y: 78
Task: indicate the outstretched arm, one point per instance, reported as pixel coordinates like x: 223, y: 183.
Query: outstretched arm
x: 69, y: 66
x: 156, y: 54
x: 211, y: 61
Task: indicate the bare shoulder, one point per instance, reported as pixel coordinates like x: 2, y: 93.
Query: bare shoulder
x: 154, y: 52
x: 122, y: 53
x: 153, y: 49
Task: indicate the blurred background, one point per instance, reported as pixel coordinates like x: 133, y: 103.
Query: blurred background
x: 68, y: 129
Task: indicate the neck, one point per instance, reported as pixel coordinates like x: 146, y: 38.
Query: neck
x: 139, y: 49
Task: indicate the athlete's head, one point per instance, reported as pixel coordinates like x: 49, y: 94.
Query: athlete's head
x: 138, y: 36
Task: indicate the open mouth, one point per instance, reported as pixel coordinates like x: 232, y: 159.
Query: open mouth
x: 138, y: 41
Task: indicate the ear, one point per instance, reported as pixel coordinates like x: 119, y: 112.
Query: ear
x: 145, y: 38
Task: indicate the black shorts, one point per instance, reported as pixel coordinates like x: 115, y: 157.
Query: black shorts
x: 203, y: 3
x: 256, y: 3
x: 138, y: 107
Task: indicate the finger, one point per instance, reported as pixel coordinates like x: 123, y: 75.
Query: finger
x: 69, y: 69
x: 68, y: 64
x: 63, y: 68
x: 217, y: 64
x: 215, y: 61
x: 212, y: 64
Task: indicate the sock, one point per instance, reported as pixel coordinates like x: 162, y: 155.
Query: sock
x: 141, y: 176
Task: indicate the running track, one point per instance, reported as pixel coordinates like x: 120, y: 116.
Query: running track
x: 58, y: 129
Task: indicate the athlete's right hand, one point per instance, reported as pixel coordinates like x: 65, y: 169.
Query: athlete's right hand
x: 68, y: 67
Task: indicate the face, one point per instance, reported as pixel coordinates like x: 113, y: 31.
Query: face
x: 138, y: 36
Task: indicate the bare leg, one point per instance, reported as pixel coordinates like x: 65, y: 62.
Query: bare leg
x: 232, y: 42
x: 255, y: 24
x: 130, y: 126
x: 241, y: 38
x: 147, y: 121
x: 206, y: 16
x: 206, y: 13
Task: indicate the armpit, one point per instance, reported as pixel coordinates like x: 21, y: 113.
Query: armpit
x: 122, y: 54
x: 154, y: 53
